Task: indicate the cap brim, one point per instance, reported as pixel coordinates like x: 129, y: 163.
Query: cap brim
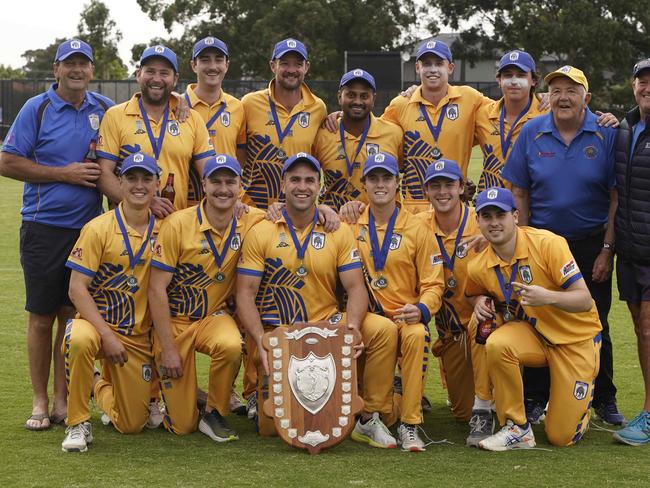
x: 139, y: 166
x: 503, y: 206
x: 211, y: 172
x: 286, y: 51
x: 551, y: 76
x: 302, y: 160
x: 358, y: 78
x: 640, y: 70
x: 435, y: 53
x: 380, y: 166
x: 67, y: 55
x: 159, y: 56
x: 210, y: 47
x: 443, y: 174
x: 522, y: 67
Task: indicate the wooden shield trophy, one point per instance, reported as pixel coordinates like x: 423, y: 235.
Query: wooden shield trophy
x: 313, y: 397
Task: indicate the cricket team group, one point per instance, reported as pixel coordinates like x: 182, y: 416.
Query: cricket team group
x: 172, y: 224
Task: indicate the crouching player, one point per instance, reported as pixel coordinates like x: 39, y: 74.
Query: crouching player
x: 193, y: 273
x: 108, y: 286
x: 549, y: 319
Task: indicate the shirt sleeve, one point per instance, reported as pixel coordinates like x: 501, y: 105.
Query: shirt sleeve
x: 391, y: 113
x: 86, y: 255
x: 21, y: 138
x: 431, y: 276
x: 562, y: 266
x: 202, y: 143
x: 167, y: 250
x: 108, y: 143
x: 251, y: 262
x: 348, y: 256
x: 516, y: 167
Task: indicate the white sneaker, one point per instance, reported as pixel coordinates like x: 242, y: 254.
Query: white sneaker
x: 155, y: 415
x: 511, y: 436
x: 251, y: 406
x: 409, y: 438
x: 374, y: 432
x: 77, y: 437
x: 106, y: 420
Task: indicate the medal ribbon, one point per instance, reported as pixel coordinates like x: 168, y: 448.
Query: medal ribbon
x: 276, y: 122
x: 506, y: 288
x: 434, y: 129
x: 359, y: 147
x: 219, y: 257
x: 449, y: 261
x: 505, y: 143
x: 212, y: 120
x: 133, y: 260
x: 301, y: 248
x: 156, y: 145
x: 380, y: 253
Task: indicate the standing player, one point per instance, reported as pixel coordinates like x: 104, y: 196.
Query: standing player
x: 292, y: 267
x: 359, y: 135
x: 147, y: 123
x: 281, y: 120
x: 108, y: 285
x: 193, y: 275
x: 549, y: 319
x: 404, y: 279
x: 47, y: 147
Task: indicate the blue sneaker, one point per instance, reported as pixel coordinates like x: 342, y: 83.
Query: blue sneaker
x: 636, y: 432
x: 608, y: 413
x: 535, y: 410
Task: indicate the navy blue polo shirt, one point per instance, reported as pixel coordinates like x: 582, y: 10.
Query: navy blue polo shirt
x: 64, y: 136
x: 569, y: 185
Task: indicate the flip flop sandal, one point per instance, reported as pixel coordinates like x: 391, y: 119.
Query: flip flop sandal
x: 58, y: 419
x: 40, y: 417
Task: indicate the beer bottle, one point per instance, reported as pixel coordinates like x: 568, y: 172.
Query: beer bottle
x: 168, y: 192
x: 485, y: 327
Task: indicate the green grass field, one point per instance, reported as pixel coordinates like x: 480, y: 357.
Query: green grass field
x: 160, y: 459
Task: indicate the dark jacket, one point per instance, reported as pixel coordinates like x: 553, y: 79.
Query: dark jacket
x: 632, y: 223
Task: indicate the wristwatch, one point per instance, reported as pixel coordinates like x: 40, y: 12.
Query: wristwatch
x: 608, y: 247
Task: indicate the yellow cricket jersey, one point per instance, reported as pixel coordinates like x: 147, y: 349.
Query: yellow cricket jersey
x: 412, y: 273
x: 123, y: 132
x: 456, y: 311
x: 284, y: 297
x: 341, y: 186
x: 263, y: 167
x: 543, y: 259
x: 183, y: 249
x: 101, y: 253
x: 455, y: 140
x: 224, y: 120
x: 488, y: 136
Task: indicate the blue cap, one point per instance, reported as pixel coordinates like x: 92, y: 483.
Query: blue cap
x: 438, y: 48
x: 159, y: 52
x: 73, y: 46
x: 520, y: 59
x: 445, y: 168
x: 221, y: 161
x: 300, y: 157
x: 209, y: 42
x: 358, y: 74
x: 142, y: 161
x: 383, y: 161
x: 287, y: 46
x: 640, y: 66
x: 496, y: 197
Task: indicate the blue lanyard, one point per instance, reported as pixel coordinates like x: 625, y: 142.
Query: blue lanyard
x: 449, y: 261
x: 505, y: 143
x: 133, y: 260
x: 380, y: 253
x: 506, y: 288
x: 156, y: 145
x: 435, y: 130
x: 301, y: 248
x: 218, y: 257
x: 278, y: 129
x: 350, y: 165
x: 212, y: 120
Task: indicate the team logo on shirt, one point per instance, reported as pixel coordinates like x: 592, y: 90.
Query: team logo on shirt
x: 526, y: 274
x: 225, y: 119
x: 94, y: 121
x: 139, y: 128
x: 590, y: 152
x: 461, y: 250
x: 336, y: 318
x: 395, y: 241
x: 76, y: 253
x: 283, y: 240
x: 235, y: 243
x: 146, y: 372
x: 568, y: 268
x: 318, y: 240
x: 354, y: 255
x: 173, y: 128
x: 204, y: 247
x: 303, y: 120
x: 372, y: 149
x: 270, y: 116
x: 340, y: 152
x: 362, y: 235
x: 436, y: 259
x: 580, y: 390
x: 157, y: 251
x: 452, y: 111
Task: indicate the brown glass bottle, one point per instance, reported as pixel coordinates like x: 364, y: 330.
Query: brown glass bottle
x: 168, y: 192
x: 91, y: 155
x: 485, y: 327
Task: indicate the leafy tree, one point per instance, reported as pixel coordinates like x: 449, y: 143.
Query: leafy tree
x: 7, y: 72
x: 39, y: 61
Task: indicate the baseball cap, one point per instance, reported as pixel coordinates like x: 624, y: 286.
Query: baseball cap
x: 640, y: 66
x: 300, y: 157
x: 221, y: 161
x: 496, y: 197
x: 383, y: 161
x: 287, y: 46
x: 73, y: 46
x: 574, y: 74
x: 209, y: 42
x: 159, y: 51
x: 438, y: 48
x: 520, y: 59
x: 445, y: 168
x: 142, y: 161
x: 358, y: 74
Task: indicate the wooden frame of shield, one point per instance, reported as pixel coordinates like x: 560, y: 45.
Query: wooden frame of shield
x: 313, y: 391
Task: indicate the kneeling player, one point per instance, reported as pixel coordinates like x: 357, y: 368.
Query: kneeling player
x: 193, y: 272
x: 108, y: 286
x: 549, y: 320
